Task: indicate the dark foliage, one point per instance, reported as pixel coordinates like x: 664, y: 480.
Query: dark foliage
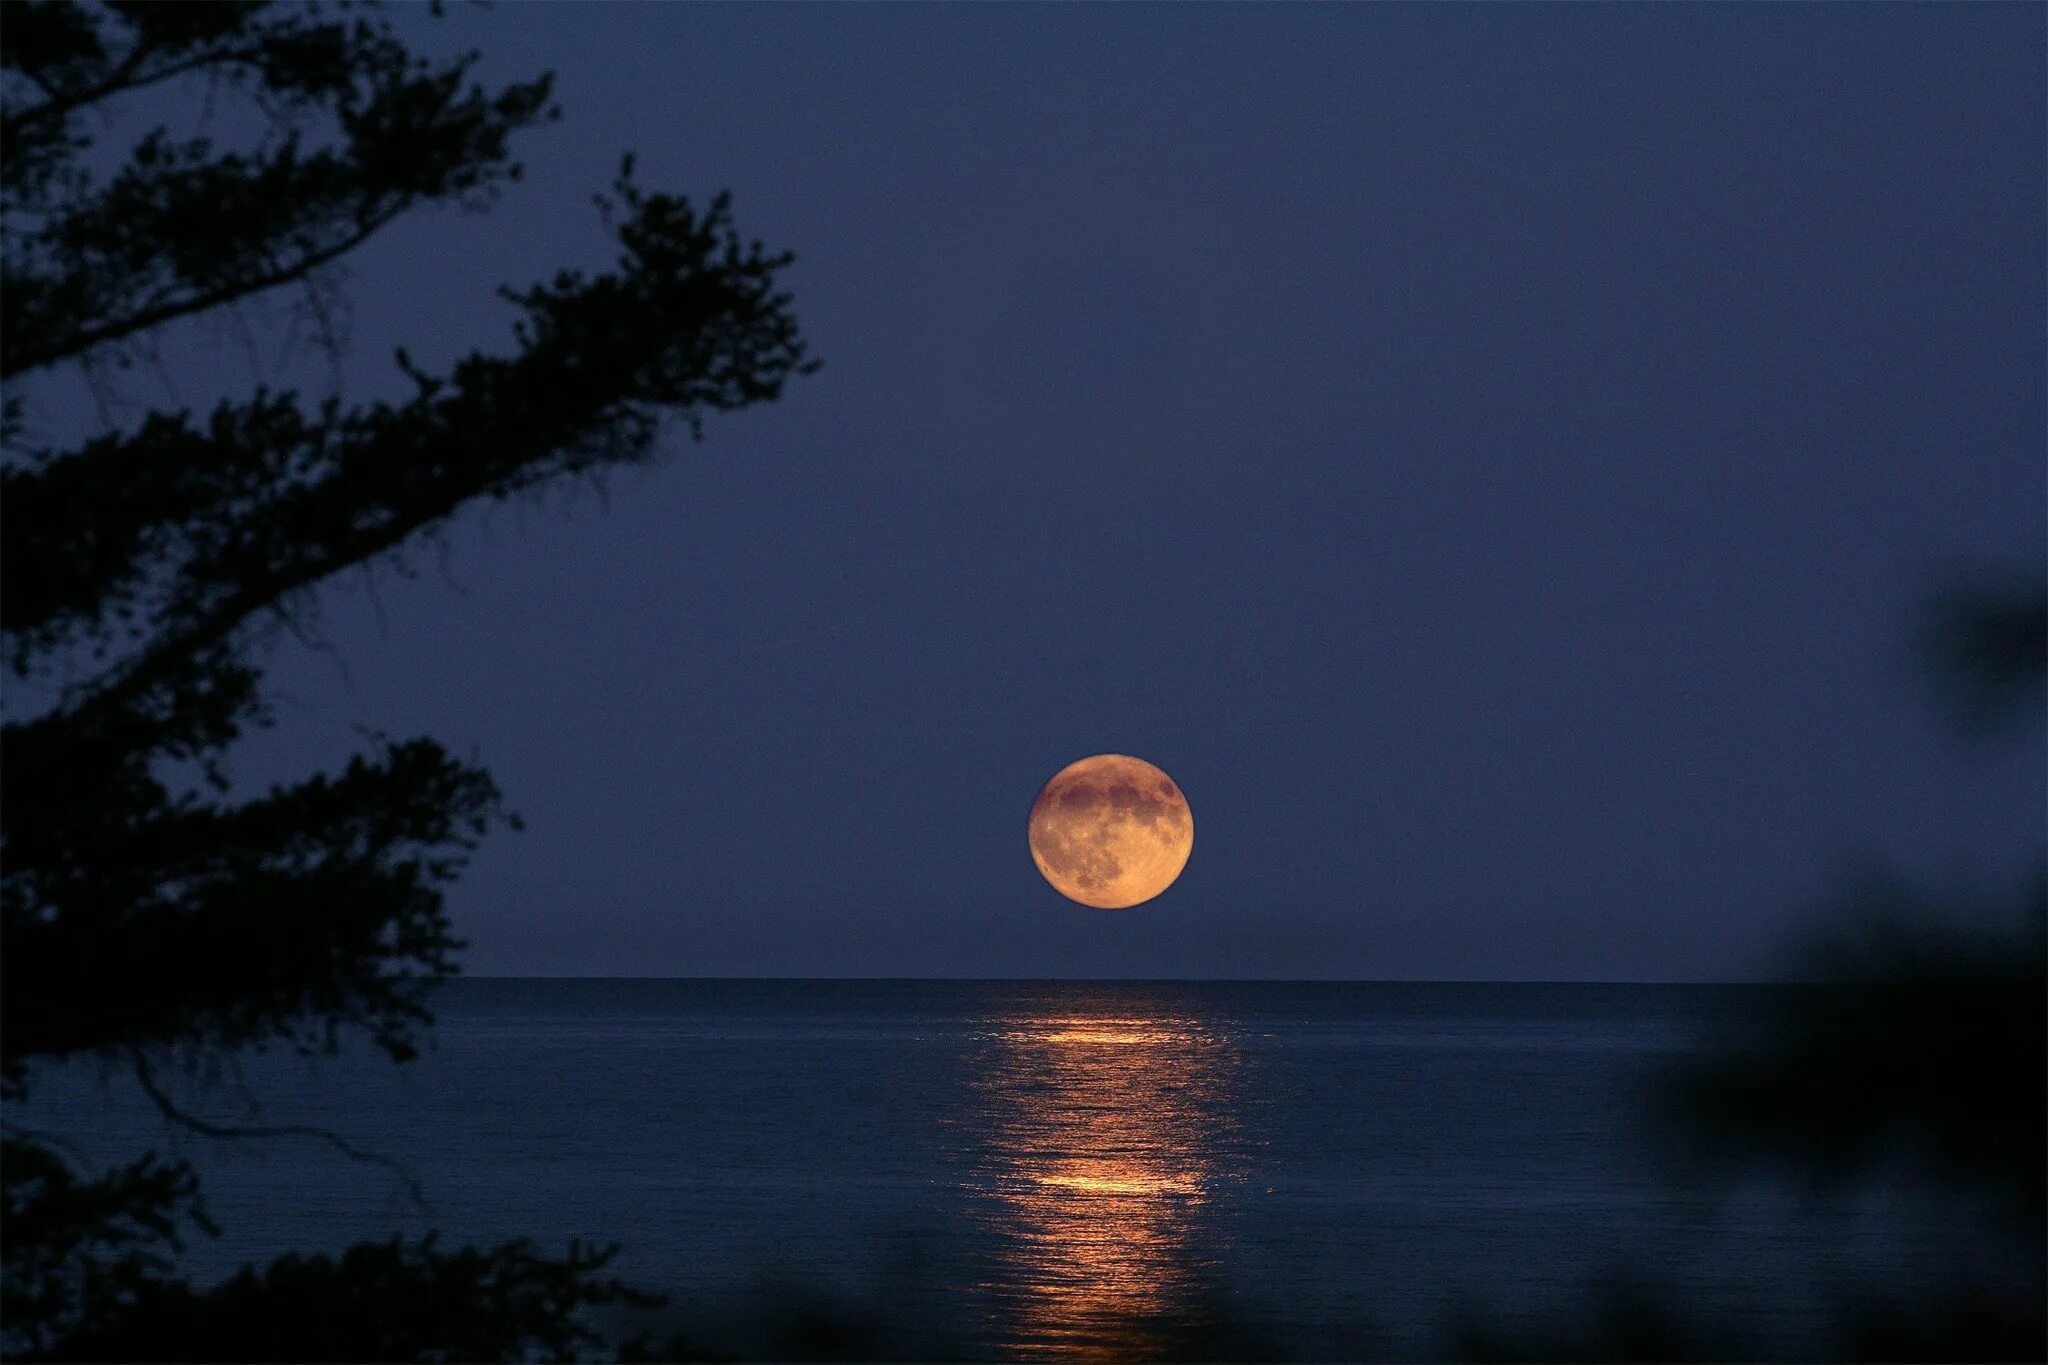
x: 186, y: 226
x: 1910, y: 1028
x: 376, y: 1301
x: 149, y: 918
x: 1922, y: 1028
x: 76, y: 1246
x: 1989, y: 649
x: 1629, y: 1322
x: 1918, y: 1038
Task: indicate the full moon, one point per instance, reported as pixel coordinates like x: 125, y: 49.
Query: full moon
x: 1111, y: 831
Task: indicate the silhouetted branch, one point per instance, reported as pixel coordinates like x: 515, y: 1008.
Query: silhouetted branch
x: 170, y: 1110
x: 73, y: 343
x: 89, y: 267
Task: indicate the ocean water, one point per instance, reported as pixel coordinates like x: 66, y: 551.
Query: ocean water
x: 1081, y: 1170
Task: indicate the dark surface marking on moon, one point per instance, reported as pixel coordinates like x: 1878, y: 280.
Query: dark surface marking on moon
x: 1088, y: 862
x: 1089, y: 865
x: 1076, y: 825
x: 1126, y: 800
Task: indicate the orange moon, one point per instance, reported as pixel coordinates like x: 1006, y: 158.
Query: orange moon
x: 1111, y: 831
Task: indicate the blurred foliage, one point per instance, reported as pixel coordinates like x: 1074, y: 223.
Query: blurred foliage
x: 1629, y: 1321
x: 1922, y: 1034
x: 149, y: 918
x: 1922, y: 1025
x: 375, y: 1301
x: 1989, y: 649
x: 1911, y: 1028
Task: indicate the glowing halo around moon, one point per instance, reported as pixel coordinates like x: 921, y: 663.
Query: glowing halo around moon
x: 1111, y: 831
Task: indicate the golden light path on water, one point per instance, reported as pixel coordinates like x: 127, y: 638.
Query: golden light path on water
x: 1109, y: 1136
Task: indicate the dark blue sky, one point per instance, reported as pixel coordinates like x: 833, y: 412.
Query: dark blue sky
x: 1489, y: 456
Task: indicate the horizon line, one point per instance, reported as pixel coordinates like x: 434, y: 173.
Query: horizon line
x: 1124, y: 980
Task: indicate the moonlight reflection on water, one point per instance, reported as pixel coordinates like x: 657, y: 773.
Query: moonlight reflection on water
x: 1109, y: 1138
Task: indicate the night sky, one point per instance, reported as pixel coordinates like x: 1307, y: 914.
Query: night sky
x: 1491, y: 457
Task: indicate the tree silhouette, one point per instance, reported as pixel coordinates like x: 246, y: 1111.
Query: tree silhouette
x: 150, y: 919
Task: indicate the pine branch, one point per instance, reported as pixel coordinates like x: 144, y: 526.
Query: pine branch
x: 173, y: 1113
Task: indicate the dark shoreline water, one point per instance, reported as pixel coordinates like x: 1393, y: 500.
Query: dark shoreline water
x: 1065, y: 1168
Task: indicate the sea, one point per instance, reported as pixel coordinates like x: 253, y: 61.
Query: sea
x: 1064, y: 1169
